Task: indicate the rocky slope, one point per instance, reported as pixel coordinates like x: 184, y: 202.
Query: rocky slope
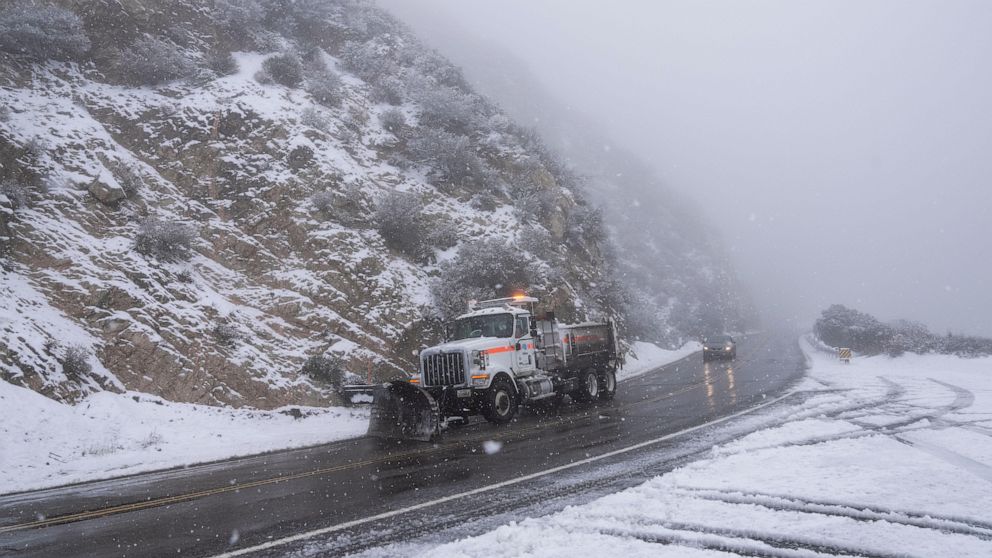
x: 198, y: 197
x: 194, y: 224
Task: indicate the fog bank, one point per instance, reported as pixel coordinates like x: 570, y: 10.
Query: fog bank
x: 842, y: 148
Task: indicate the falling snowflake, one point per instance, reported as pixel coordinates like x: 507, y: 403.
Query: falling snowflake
x: 492, y: 446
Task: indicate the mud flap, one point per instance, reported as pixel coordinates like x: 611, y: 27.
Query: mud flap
x: 403, y: 411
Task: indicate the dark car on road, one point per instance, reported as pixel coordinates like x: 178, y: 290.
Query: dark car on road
x: 719, y: 346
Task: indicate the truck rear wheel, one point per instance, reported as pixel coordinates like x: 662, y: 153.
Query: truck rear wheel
x: 607, y: 384
x: 588, y: 386
x: 500, y: 405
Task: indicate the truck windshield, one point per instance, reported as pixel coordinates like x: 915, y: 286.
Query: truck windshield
x: 493, y: 325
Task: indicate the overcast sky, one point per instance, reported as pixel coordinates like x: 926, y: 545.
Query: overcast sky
x: 842, y: 148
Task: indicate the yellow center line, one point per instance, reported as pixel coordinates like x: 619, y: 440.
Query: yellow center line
x: 179, y: 498
x: 145, y: 504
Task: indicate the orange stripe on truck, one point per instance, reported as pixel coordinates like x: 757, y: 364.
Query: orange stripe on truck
x: 499, y: 350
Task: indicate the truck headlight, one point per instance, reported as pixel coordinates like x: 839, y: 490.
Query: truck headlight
x: 480, y: 379
x: 479, y: 359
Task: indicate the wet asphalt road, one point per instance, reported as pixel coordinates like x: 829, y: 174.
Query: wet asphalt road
x: 227, y: 506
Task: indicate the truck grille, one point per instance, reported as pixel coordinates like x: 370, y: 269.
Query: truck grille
x: 441, y: 369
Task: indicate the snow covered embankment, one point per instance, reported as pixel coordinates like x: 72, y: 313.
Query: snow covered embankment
x: 883, y: 457
x: 44, y: 443
x: 650, y: 356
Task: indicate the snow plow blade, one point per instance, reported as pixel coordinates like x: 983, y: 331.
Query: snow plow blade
x: 403, y: 411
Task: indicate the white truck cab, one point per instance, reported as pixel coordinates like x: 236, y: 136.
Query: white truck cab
x: 493, y: 337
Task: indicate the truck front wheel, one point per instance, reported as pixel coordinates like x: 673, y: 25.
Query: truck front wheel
x: 500, y: 404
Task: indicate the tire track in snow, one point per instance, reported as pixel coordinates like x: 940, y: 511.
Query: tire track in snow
x: 742, y: 542
x: 976, y: 468
x: 856, y: 511
x: 963, y: 399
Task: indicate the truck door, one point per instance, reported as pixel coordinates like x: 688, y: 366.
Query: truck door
x: 526, y: 360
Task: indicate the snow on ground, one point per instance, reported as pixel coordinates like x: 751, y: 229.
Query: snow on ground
x: 44, y: 443
x: 882, y: 457
x: 645, y: 357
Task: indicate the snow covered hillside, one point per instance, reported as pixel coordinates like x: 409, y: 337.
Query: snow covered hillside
x: 196, y: 198
x: 882, y: 457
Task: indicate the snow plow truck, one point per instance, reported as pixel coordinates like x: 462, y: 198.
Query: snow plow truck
x: 496, y: 357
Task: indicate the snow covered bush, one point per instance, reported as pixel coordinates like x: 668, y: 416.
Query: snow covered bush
x: 534, y: 205
x: 432, y: 63
x: 42, y: 32
x: 223, y: 63
x: 185, y: 277
x: 390, y: 90
x: 910, y: 337
x: 447, y: 108
x: 356, y: 118
x: 481, y: 270
x: 323, y: 202
x: 399, y: 219
x: 129, y: 178
x: 537, y: 240
x: 299, y: 157
x: 369, y: 60
x: 966, y: 346
x: 238, y: 16
x: 585, y: 225
x: 153, y: 61
x: 367, y: 21
x: 76, y: 362
x: 315, y: 118
x: 443, y: 233
x: 485, y: 201
x: 285, y: 69
x: 327, y: 370
x: 839, y: 326
x: 324, y: 85
x: 306, y: 20
x: 451, y: 158
x: 15, y: 192
x: 642, y: 319
x: 165, y: 240
x: 393, y: 120
x: 226, y: 334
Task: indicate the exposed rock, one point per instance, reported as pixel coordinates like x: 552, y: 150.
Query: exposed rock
x: 108, y: 194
